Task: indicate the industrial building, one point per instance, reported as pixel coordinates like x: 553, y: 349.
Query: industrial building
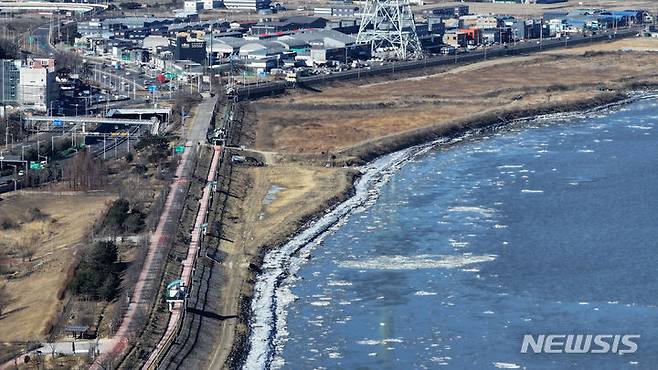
x: 455, y: 38
x: 336, y: 10
x: 187, y: 48
x: 254, y: 5
x: 448, y: 11
x: 287, y: 24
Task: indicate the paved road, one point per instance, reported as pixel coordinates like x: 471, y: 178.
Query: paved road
x: 41, y: 37
x: 146, y: 287
x: 71, y: 347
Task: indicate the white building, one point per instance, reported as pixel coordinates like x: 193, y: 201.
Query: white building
x: 192, y: 6
x: 247, y: 4
x: 211, y: 4
x: 37, y: 87
x: 155, y: 42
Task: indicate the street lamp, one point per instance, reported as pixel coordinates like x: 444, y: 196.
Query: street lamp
x: 23, y: 151
x: 15, y: 171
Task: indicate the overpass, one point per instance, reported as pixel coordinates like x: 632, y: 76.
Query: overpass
x: 141, y: 113
x: 48, y: 6
x: 54, y: 122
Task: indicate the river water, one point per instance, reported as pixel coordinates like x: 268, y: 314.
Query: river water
x: 548, y: 227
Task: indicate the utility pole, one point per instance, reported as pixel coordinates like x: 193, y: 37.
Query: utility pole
x: 209, y: 59
x: 541, y: 32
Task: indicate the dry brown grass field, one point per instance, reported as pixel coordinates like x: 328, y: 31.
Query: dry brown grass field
x: 259, y: 216
x: 38, y: 253
x: 352, y: 113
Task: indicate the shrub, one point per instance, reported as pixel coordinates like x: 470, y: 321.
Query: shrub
x: 134, y: 222
x: 35, y: 214
x: 116, y: 214
x: 121, y: 218
x: 156, y: 147
x: 7, y: 223
x: 97, y: 273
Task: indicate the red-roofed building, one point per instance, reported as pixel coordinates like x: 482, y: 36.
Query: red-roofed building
x: 473, y: 35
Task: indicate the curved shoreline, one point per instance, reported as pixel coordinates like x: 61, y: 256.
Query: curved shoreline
x: 268, y: 312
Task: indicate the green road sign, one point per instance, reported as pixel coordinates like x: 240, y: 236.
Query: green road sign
x: 35, y: 165
x: 180, y: 148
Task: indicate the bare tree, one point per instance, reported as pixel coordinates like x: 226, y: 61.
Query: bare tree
x: 28, y: 246
x: 85, y: 173
x: 9, y: 49
x: 66, y: 60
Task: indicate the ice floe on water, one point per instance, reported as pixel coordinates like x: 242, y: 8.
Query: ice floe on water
x: 441, y: 360
x: 424, y: 293
x: 377, y: 342
x: 339, y: 283
x: 458, y: 244
x: 423, y: 261
x: 485, y: 212
x: 639, y: 127
x: 506, y: 365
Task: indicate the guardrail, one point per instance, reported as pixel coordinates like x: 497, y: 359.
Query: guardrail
x: 167, y: 343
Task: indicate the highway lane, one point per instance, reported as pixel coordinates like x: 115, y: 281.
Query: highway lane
x: 40, y: 36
